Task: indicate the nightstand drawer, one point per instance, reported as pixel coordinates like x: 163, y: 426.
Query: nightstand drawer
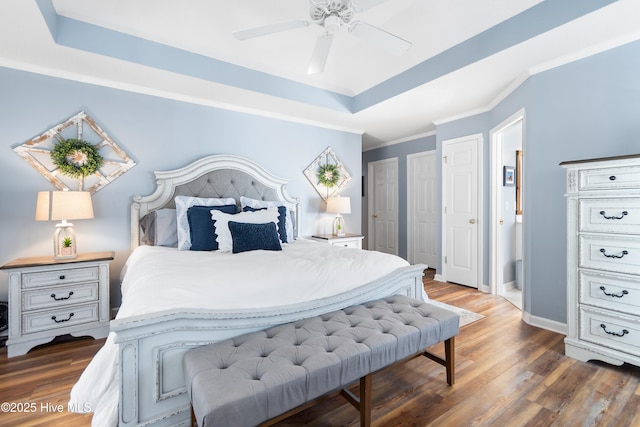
x: 347, y: 244
x: 610, y: 215
x: 610, y: 330
x: 60, y: 277
x: 609, y: 178
x: 59, y: 296
x: 609, y: 253
x: 60, y: 318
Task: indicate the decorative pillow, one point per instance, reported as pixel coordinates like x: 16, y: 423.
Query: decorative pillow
x: 282, y: 216
x: 290, y: 207
x: 224, y: 239
x: 182, y: 221
x: 159, y: 228
x: 202, y: 230
x: 253, y: 237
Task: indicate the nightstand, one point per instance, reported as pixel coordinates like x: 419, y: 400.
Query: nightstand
x: 348, y: 240
x: 48, y: 298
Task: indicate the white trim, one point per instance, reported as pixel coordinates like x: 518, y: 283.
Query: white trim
x: 410, y: 219
x: 480, y: 220
x: 401, y: 140
x: 541, y: 322
x: 370, y: 183
x: 495, y: 196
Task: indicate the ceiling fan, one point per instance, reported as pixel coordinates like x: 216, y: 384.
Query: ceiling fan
x: 332, y: 15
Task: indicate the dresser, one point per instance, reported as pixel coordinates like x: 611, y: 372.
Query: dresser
x: 603, y: 259
x: 48, y: 298
x: 347, y: 241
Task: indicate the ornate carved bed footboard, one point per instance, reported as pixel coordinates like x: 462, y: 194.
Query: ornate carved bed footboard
x: 152, y: 387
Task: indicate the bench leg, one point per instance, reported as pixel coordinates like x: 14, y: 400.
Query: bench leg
x: 365, y: 400
x: 449, y: 361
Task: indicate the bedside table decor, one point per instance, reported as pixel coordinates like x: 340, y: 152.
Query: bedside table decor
x: 49, y: 297
x: 339, y: 205
x: 64, y: 205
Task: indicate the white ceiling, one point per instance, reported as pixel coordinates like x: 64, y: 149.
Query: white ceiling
x: 354, y: 66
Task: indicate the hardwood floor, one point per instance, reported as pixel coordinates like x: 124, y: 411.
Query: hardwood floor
x: 507, y: 374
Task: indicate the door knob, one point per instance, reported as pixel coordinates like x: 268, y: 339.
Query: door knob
x: 375, y: 216
x: 472, y: 221
x: 501, y: 222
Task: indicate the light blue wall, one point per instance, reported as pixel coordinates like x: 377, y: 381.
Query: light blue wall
x: 159, y: 134
x: 587, y: 109
x: 401, y: 151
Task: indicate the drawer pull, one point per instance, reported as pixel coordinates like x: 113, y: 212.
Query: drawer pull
x: 621, y: 334
x: 604, y: 252
x: 62, y: 320
x: 612, y: 178
x: 603, y: 213
x: 620, y: 295
x: 61, y: 298
x: 62, y: 277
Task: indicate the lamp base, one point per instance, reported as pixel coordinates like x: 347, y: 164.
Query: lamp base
x: 64, y: 241
x: 338, y: 226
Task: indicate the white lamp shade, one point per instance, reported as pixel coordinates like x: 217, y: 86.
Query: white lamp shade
x: 59, y: 205
x: 339, y: 205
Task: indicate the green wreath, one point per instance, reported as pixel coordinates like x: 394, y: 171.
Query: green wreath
x: 76, y: 157
x: 329, y: 175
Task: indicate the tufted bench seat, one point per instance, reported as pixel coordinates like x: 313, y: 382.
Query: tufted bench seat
x: 269, y: 375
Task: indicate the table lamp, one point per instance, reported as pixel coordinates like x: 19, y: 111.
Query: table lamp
x: 63, y: 206
x: 339, y: 205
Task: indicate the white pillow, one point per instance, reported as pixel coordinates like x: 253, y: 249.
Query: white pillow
x: 183, y: 203
x: 224, y: 239
x: 258, y: 204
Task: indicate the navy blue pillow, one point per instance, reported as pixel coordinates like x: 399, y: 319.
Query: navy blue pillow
x: 282, y: 216
x: 202, y: 228
x: 252, y: 237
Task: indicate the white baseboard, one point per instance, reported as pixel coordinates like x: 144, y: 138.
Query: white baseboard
x: 438, y: 277
x: 541, y: 322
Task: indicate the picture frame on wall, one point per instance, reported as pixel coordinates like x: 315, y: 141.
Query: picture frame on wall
x: 509, y: 176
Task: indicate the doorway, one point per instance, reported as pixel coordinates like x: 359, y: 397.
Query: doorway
x: 422, y: 208
x: 462, y: 220
x: 507, y: 260
x: 383, y: 206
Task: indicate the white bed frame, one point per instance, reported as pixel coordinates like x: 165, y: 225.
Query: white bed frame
x: 150, y: 348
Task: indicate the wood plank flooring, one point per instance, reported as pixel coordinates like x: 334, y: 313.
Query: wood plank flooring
x: 507, y: 374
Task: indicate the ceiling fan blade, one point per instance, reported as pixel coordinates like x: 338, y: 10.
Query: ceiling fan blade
x: 379, y: 37
x: 320, y: 53
x: 361, y: 5
x: 270, y: 29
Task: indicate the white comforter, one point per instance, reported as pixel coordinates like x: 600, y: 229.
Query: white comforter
x: 158, y: 278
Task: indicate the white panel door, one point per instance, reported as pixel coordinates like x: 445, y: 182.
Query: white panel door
x: 384, y: 205
x: 422, y: 224
x: 460, y: 197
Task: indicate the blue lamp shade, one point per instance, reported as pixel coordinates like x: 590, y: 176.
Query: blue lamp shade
x: 339, y: 205
x: 63, y: 206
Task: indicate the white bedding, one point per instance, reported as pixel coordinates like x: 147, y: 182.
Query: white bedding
x: 158, y: 278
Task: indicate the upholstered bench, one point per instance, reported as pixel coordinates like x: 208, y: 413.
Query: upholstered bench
x: 266, y: 376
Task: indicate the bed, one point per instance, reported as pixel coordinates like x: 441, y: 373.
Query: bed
x: 174, y: 300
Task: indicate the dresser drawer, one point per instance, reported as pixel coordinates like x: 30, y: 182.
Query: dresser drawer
x: 610, y: 291
x: 59, y: 318
x: 59, y: 296
x: 60, y: 277
x: 609, y: 330
x: 610, y: 215
x: 609, y: 178
x: 610, y: 253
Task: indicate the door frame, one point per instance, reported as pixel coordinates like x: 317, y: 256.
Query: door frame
x: 370, y: 207
x: 479, y: 138
x: 495, y: 229
x: 410, y: 224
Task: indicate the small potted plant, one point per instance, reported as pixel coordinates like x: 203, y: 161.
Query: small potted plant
x: 66, y: 246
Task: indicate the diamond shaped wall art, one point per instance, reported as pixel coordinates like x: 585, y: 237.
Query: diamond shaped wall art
x: 97, y: 162
x: 327, y: 174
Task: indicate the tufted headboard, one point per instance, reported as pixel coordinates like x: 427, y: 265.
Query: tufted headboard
x: 212, y: 176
